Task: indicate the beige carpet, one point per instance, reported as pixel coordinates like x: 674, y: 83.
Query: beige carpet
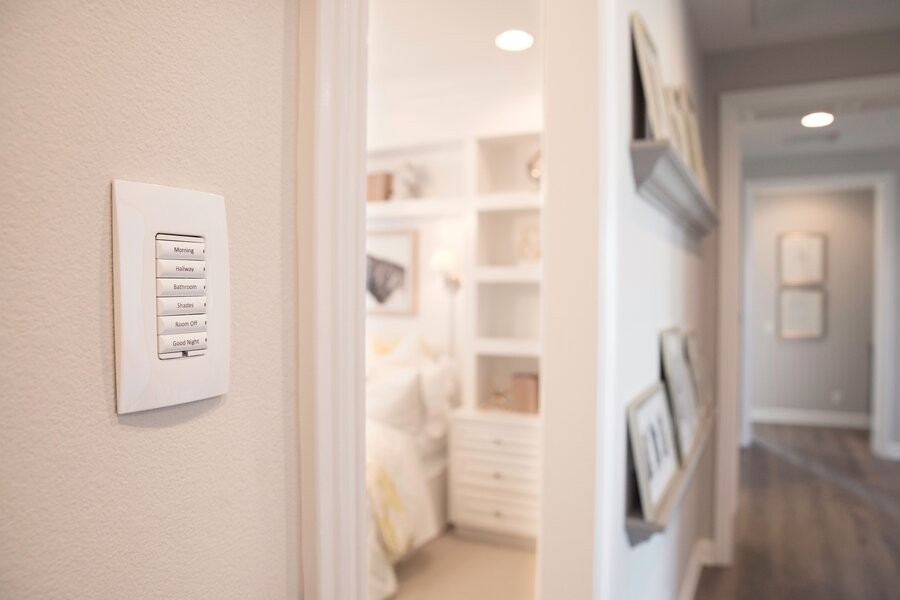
x: 453, y: 568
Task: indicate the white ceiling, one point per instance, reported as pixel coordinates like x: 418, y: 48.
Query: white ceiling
x: 722, y: 25
x: 852, y: 131
x: 418, y: 41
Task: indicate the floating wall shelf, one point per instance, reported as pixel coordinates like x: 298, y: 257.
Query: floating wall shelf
x: 664, y: 179
x: 640, y: 530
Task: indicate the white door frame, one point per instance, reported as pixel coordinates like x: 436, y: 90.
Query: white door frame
x: 733, y: 108
x: 883, y: 187
x: 330, y: 249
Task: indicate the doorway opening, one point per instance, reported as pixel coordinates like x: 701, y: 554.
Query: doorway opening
x: 452, y: 299
x: 808, y: 303
x: 767, y: 160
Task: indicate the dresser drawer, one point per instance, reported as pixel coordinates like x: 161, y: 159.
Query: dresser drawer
x: 491, y: 438
x: 494, y: 473
x: 495, y: 514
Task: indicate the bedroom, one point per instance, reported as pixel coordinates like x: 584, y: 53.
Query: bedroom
x: 453, y: 298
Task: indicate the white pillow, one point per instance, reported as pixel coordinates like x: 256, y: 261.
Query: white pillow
x: 439, y: 386
x: 392, y: 398
x: 439, y: 395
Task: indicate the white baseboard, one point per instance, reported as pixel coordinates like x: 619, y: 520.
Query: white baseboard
x: 811, y: 417
x: 891, y: 451
x: 701, y: 554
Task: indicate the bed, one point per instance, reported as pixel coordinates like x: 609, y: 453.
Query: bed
x: 409, y: 394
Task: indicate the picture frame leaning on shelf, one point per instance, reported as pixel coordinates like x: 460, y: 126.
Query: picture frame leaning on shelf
x: 680, y: 388
x: 651, y: 87
x: 653, y: 448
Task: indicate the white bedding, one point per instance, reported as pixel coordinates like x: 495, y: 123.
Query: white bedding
x: 408, y: 399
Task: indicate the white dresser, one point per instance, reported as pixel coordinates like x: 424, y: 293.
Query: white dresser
x: 495, y: 473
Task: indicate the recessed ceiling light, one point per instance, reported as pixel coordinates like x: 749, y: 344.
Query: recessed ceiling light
x: 817, y: 119
x: 514, y: 40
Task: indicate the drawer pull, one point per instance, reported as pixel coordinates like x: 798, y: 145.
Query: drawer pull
x: 498, y: 475
x: 498, y: 514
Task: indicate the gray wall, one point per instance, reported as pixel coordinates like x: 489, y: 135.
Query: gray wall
x: 884, y: 161
x: 830, y: 373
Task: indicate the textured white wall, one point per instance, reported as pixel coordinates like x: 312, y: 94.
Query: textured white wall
x: 196, y: 501
x: 803, y: 374
x: 663, y: 280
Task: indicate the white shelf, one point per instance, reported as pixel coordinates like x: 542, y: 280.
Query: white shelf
x: 664, y: 179
x: 424, y: 208
x: 501, y: 202
x: 512, y: 274
x: 507, y: 347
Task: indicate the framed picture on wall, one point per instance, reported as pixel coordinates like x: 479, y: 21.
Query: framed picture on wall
x: 802, y: 314
x: 652, y: 448
x: 392, y: 264
x: 681, y: 390
x: 651, y: 80
x: 801, y: 258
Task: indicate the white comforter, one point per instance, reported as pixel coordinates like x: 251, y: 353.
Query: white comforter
x: 401, y: 512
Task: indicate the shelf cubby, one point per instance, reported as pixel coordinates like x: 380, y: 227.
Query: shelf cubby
x: 500, y: 233
x: 503, y: 164
x: 508, y: 311
x: 496, y: 372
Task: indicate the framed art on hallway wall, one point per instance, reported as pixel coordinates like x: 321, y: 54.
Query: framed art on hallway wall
x: 801, y: 258
x: 802, y: 313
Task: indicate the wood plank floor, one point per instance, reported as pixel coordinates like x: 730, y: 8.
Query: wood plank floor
x: 818, y: 518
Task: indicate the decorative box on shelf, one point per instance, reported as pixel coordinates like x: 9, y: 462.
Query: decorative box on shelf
x: 495, y: 474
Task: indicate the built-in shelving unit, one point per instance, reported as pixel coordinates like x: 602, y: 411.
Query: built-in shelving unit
x: 486, y: 187
x: 478, y: 200
x: 505, y: 264
x: 640, y: 530
x: 664, y: 178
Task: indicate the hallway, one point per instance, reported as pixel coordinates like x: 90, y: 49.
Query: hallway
x: 818, y: 517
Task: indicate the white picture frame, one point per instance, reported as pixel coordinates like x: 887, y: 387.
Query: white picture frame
x: 392, y: 272
x: 650, y: 79
x: 801, y: 313
x: 801, y: 258
x: 653, y: 448
x: 681, y: 389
